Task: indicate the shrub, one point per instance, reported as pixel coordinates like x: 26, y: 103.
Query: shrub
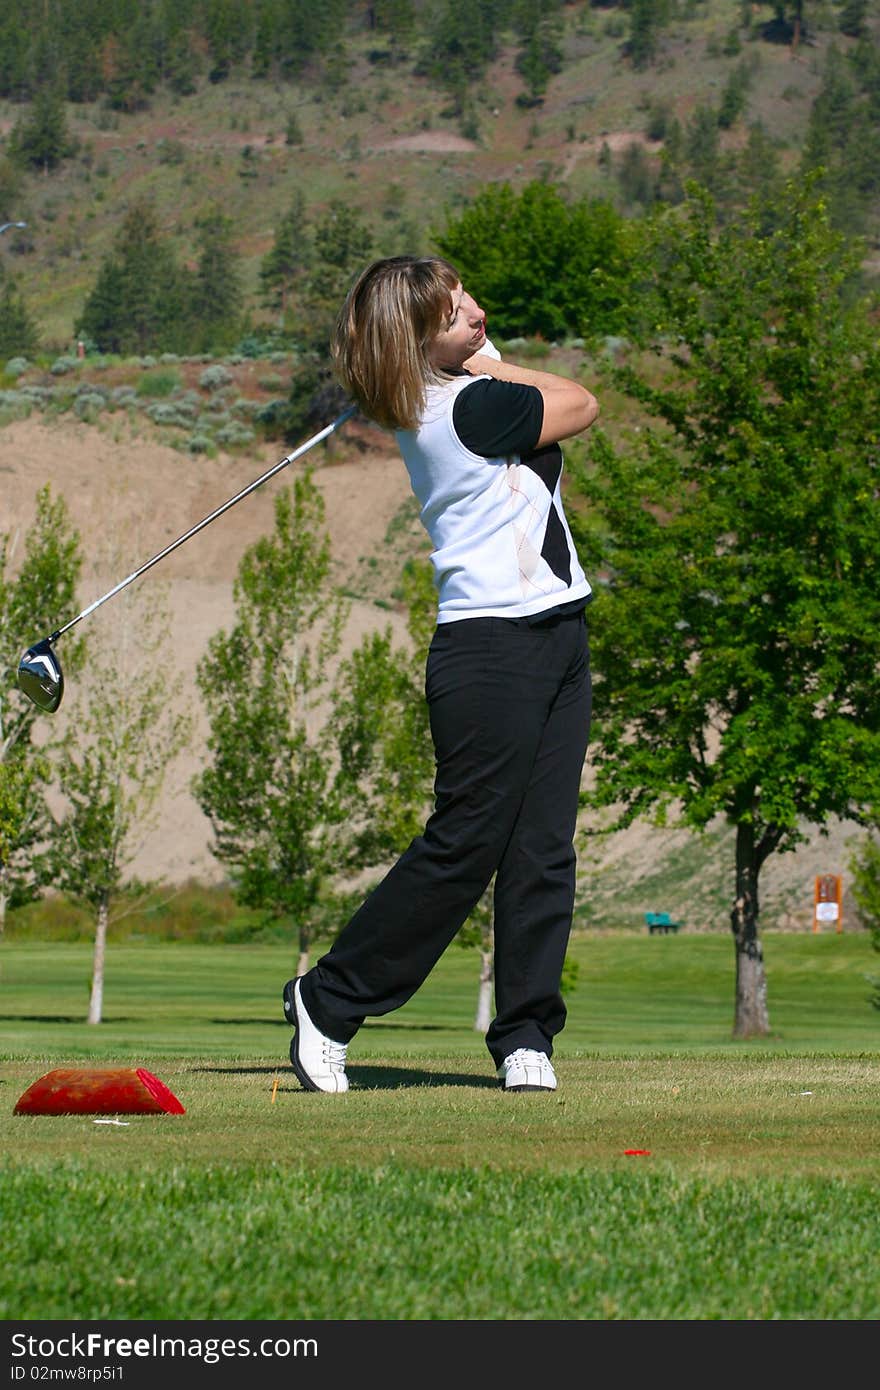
x: 171, y: 413
x: 14, y: 405
x: 123, y: 395
x: 158, y: 384
x: 201, y: 444
x: 213, y: 378
x: 234, y: 435
x: 88, y: 406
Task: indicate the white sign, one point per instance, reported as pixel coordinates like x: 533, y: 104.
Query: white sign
x: 827, y: 912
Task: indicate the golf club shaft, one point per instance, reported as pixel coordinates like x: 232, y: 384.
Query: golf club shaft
x: 258, y: 482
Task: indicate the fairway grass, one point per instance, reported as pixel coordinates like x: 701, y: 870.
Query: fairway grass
x: 426, y: 1192
x: 294, y: 1242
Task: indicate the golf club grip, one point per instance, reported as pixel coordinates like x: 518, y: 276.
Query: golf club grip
x: 200, y: 525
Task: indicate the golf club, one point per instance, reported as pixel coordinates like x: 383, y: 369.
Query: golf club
x: 39, y: 672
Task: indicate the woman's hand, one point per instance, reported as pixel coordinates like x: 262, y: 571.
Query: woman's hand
x: 569, y: 408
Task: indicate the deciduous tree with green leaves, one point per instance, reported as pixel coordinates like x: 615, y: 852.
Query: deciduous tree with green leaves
x: 735, y: 541
x: 268, y: 789
x: 383, y: 742
x: 540, y: 264
x: 112, y: 764
x: 37, y: 595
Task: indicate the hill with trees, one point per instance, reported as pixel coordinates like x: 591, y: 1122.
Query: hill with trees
x: 299, y: 137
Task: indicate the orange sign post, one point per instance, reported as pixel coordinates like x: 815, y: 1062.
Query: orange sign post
x: 828, y: 901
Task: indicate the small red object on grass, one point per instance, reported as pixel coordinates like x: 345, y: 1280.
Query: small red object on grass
x: 86, y: 1091
x: 637, y: 1153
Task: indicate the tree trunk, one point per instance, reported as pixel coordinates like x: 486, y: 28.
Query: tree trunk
x: 751, y: 1019
x: 96, y: 1001
x: 487, y: 978
x: 3, y: 901
x: 305, y: 941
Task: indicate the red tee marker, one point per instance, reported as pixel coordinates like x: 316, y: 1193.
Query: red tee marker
x: 86, y: 1091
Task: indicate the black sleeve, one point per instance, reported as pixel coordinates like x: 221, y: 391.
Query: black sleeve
x: 497, y: 418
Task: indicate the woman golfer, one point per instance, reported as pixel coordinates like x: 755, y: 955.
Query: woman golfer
x: 507, y: 679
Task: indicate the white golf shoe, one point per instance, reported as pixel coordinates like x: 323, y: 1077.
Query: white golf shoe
x: 318, y: 1061
x: 526, y: 1070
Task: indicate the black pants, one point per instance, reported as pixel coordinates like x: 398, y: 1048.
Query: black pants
x: 509, y: 704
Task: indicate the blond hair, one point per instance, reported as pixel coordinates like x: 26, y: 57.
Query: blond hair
x: 383, y: 334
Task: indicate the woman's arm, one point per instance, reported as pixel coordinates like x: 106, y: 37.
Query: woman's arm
x: 569, y: 407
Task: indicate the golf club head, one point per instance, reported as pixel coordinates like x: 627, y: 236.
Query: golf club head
x: 40, y: 676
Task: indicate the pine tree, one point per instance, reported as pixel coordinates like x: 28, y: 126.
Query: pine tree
x: 19, y: 336
x: 138, y: 302
x: 216, y: 293
x: 286, y: 262
x: 40, y: 139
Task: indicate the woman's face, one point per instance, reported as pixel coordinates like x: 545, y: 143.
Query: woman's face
x: 463, y: 332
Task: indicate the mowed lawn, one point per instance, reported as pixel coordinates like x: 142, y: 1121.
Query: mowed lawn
x: 675, y: 1174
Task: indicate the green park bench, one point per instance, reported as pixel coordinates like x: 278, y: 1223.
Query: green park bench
x: 661, y: 922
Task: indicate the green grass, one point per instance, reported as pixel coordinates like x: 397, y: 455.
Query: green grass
x: 439, y: 1196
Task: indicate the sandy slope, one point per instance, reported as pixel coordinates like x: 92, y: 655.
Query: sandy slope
x: 129, y: 500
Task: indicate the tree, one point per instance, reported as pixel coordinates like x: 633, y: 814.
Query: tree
x: 307, y: 32
x: 539, y: 264
x: 216, y: 297
x: 736, y: 626
x: 851, y: 20
x: 41, y: 139
x: 228, y: 32
x: 283, y: 266
x: 11, y: 184
x: 381, y: 733
x: 540, y: 51
x: 636, y: 177
x: 24, y: 827
x: 396, y: 18
x: 865, y: 870
x: 479, y: 932
x: 19, y: 335
x: 341, y: 246
x: 646, y: 18
x: 839, y: 145
x: 268, y: 790
x: 35, y: 600
x: 138, y: 302
x: 734, y: 98
x: 112, y: 765
x: 707, y: 164
x: 459, y: 45
x: 758, y: 172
